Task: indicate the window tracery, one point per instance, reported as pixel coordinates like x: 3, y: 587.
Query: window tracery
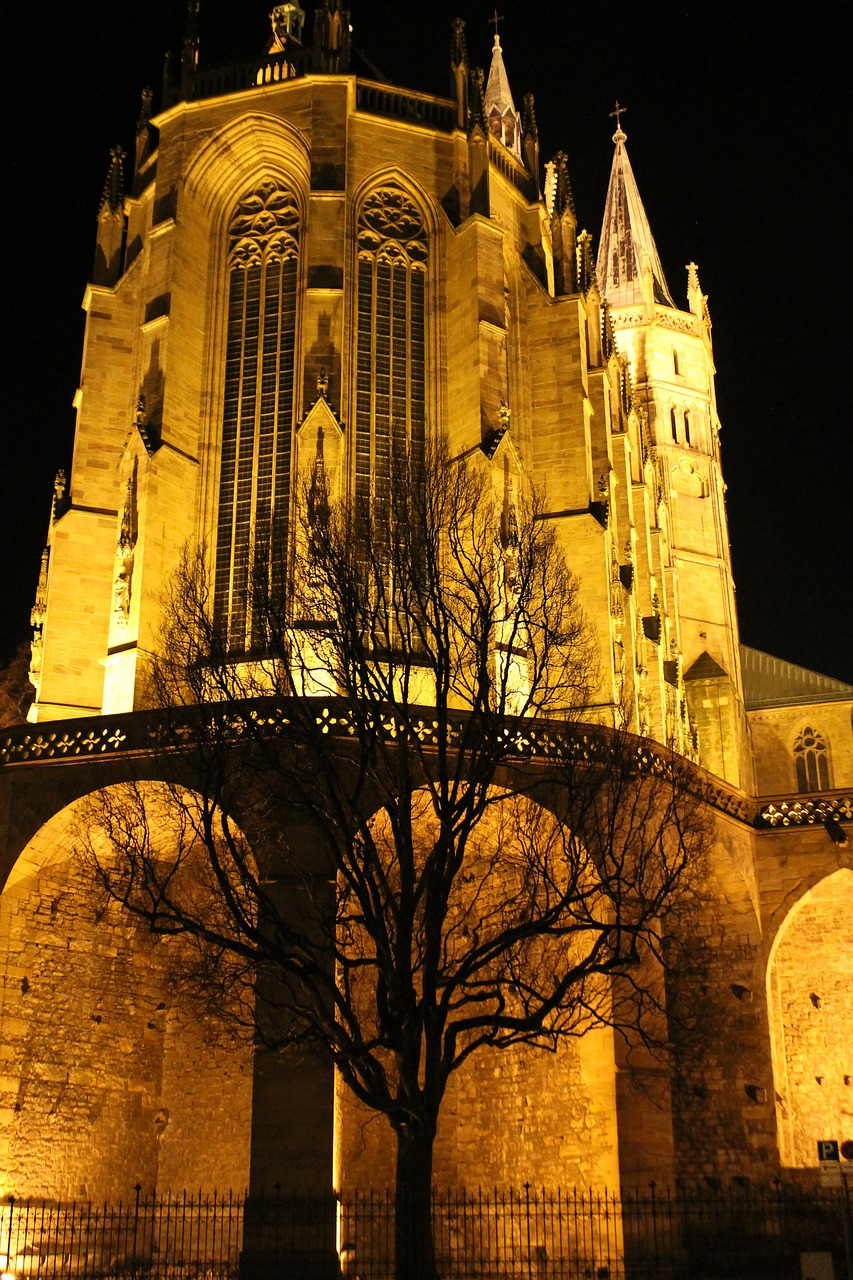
x: 257, y: 425
x: 811, y: 760
x: 393, y: 256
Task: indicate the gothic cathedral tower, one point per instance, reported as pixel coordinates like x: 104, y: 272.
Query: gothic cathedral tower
x: 670, y: 357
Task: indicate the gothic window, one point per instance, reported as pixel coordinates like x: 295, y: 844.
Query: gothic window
x: 391, y: 339
x: 257, y: 425
x: 675, y: 368
x: 686, y: 427
x: 811, y: 760
x: 673, y: 424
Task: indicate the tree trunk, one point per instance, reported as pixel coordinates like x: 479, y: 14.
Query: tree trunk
x: 413, y: 1242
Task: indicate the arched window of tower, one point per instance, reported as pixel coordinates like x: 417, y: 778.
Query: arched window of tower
x: 257, y: 412
x: 393, y: 256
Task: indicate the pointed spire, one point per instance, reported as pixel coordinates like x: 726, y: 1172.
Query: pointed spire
x: 562, y: 191
x: 147, y: 96
x: 586, y: 275
x: 504, y: 120
x: 560, y: 205
x: 476, y: 105
x: 529, y: 121
x: 106, y: 268
x: 695, y: 297
x: 626, y: 243
x: 459, y: 71
x: 478, y: 148
x: 112, y: 197
x: 697, y: 301
x: 608, y: 338
x: 530, y: 139
x: 458, y: 45
x: 145, y: 139
x: 331, y: 37
x: 189, y: 48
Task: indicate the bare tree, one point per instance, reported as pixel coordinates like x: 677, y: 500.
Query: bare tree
x: 16, y: 692
x: 389, y: 817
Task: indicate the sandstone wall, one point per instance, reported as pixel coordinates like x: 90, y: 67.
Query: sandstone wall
x: 108, y: 1078
x: 508, y: 1118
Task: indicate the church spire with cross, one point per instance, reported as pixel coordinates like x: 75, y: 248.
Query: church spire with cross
x: 627, y: 250
x: 501, y: 116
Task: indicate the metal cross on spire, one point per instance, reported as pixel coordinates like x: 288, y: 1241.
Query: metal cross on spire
x: 495, y: 19
x: 617, y: 112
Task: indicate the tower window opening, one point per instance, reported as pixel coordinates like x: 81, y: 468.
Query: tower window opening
x: 811, y: 760
x: 686, y: 427
x: 675, y: 367
x: 673, y: 423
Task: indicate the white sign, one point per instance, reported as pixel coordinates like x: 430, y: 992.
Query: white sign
x: 830, y: 1163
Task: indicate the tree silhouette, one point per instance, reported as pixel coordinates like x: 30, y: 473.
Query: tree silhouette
x: 386, y: 828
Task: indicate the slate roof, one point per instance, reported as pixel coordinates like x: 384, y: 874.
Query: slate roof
x: 773, y: 682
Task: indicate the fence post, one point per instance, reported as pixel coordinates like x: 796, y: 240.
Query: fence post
x: 848, y: 1226
x: 138, y: 1189
x: 9, y: 1238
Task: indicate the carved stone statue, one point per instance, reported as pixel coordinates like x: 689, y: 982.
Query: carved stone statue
x: 125, y: 548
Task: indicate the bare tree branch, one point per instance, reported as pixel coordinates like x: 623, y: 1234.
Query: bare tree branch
x: 356, y: 821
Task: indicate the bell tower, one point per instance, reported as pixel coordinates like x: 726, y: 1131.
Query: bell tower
x: 671, y: 361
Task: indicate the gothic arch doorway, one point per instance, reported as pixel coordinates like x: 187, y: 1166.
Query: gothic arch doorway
x: 112, y: 1078
x: 810, y: 1003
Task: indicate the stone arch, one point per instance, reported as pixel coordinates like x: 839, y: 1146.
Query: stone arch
x: 112, y: 1077
x: 810, y: 1006
x: 253, y: 145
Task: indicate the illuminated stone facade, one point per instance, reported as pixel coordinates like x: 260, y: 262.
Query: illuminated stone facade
x: 306, y: 254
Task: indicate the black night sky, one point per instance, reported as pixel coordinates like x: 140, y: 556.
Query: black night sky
x: 737, y: 133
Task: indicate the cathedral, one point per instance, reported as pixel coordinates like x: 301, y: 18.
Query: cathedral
x: 305, y: 260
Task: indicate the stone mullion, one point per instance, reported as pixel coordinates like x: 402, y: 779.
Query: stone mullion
x: 285, y: 381
x: 230, y: 437
x: 382, y: 406
x: 246, y: 458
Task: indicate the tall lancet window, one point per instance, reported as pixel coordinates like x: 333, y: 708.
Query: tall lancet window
x: 257, y: 427
x: 393, y: 256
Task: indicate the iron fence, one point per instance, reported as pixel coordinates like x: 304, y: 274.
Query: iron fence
x: 683, y: 1234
